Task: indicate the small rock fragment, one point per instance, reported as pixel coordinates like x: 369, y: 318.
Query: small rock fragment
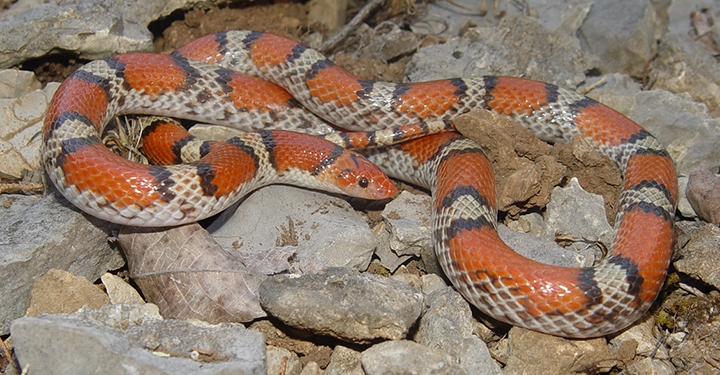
x: 119, y: 291
x: 59, y: 291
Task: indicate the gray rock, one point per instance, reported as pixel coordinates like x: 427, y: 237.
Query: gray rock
x: 447, y: 324
x: 407, y: 218
x: 22, y: 108
x: 573, y: 211
x: 132, y: 339
x: 343, y: 303
x: 622, y: 34
x: 40, y: 234
x: 408, y: 357
x: 703, y: 194
x: 323, y: 231
x: 698, y: 254
x: 536, y: 53
x: 90, y: 29
x: 685, y: 66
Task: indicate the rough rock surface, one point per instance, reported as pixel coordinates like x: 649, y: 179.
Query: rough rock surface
x: 54, y: 236
x: 343, y: 303
x: 132, y: 339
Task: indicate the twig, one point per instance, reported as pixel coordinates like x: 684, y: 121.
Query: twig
x: 331, y: 42
x: 5, y: 349
x: 20, y: 187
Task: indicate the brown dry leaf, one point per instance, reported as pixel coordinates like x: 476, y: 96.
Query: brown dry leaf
x: 188, y: 275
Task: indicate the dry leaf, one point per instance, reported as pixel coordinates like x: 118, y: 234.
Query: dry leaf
x: 188, y: 275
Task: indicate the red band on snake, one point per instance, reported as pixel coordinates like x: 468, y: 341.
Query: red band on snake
x: 198, y: 82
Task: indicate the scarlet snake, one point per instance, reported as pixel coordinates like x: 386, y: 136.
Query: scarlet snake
x: 572, y: 302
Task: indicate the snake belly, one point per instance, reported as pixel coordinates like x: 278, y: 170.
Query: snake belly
x: 570, y: 302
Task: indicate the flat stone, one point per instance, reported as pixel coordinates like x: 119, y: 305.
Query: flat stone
x: 91, y: 30
x: 133, y: 339
x: 340, y: 302
x: 537, y: 53
x: 21, y: 117
x: 120, y: 291
x: 698, y: 254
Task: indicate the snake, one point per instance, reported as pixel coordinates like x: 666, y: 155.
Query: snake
x: 301, y: 112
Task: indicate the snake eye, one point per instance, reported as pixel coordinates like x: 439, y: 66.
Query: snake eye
x: 363, y: 182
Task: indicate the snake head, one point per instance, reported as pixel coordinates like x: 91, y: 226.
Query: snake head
x: 358, y: 177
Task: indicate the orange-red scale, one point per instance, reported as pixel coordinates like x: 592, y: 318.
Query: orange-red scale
x: 335, y: 85
x: 604, y: 125
x: 231, y: 167
x: 95, y: 168
x: 152, y: 74
x: 424, y: 99
x: 157, y: 144
x: 205, y: 49
x: 80, y: 96
x: 517, y: 96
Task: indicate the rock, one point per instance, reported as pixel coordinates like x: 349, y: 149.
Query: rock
x: 344, y: 361
x: 622, y: 34
x: 119, y: 291
x: 651, y: 366
x: 312, y: 368
x: 447, y: 324
x: 282, y: 361
x: 643, y: 337
x: 324, y: 231
x: 703, y: 193
x: 684, y: 66
x: 573, y: 211
x: 529, y: 351
x: 59, y: 291
x: 91, y: 30
x: 343, y: 303
x: 22, y: 109
x: 46, y: 234
x: 15, y: 83
x: 407, y: 357
x: 327, y: 16
x: 407, y: 218
x: 697, y: 255
x: 536, y: 53
x: 132, y: 339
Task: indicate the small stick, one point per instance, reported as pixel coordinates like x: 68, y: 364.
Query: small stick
x: 331, y: 42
